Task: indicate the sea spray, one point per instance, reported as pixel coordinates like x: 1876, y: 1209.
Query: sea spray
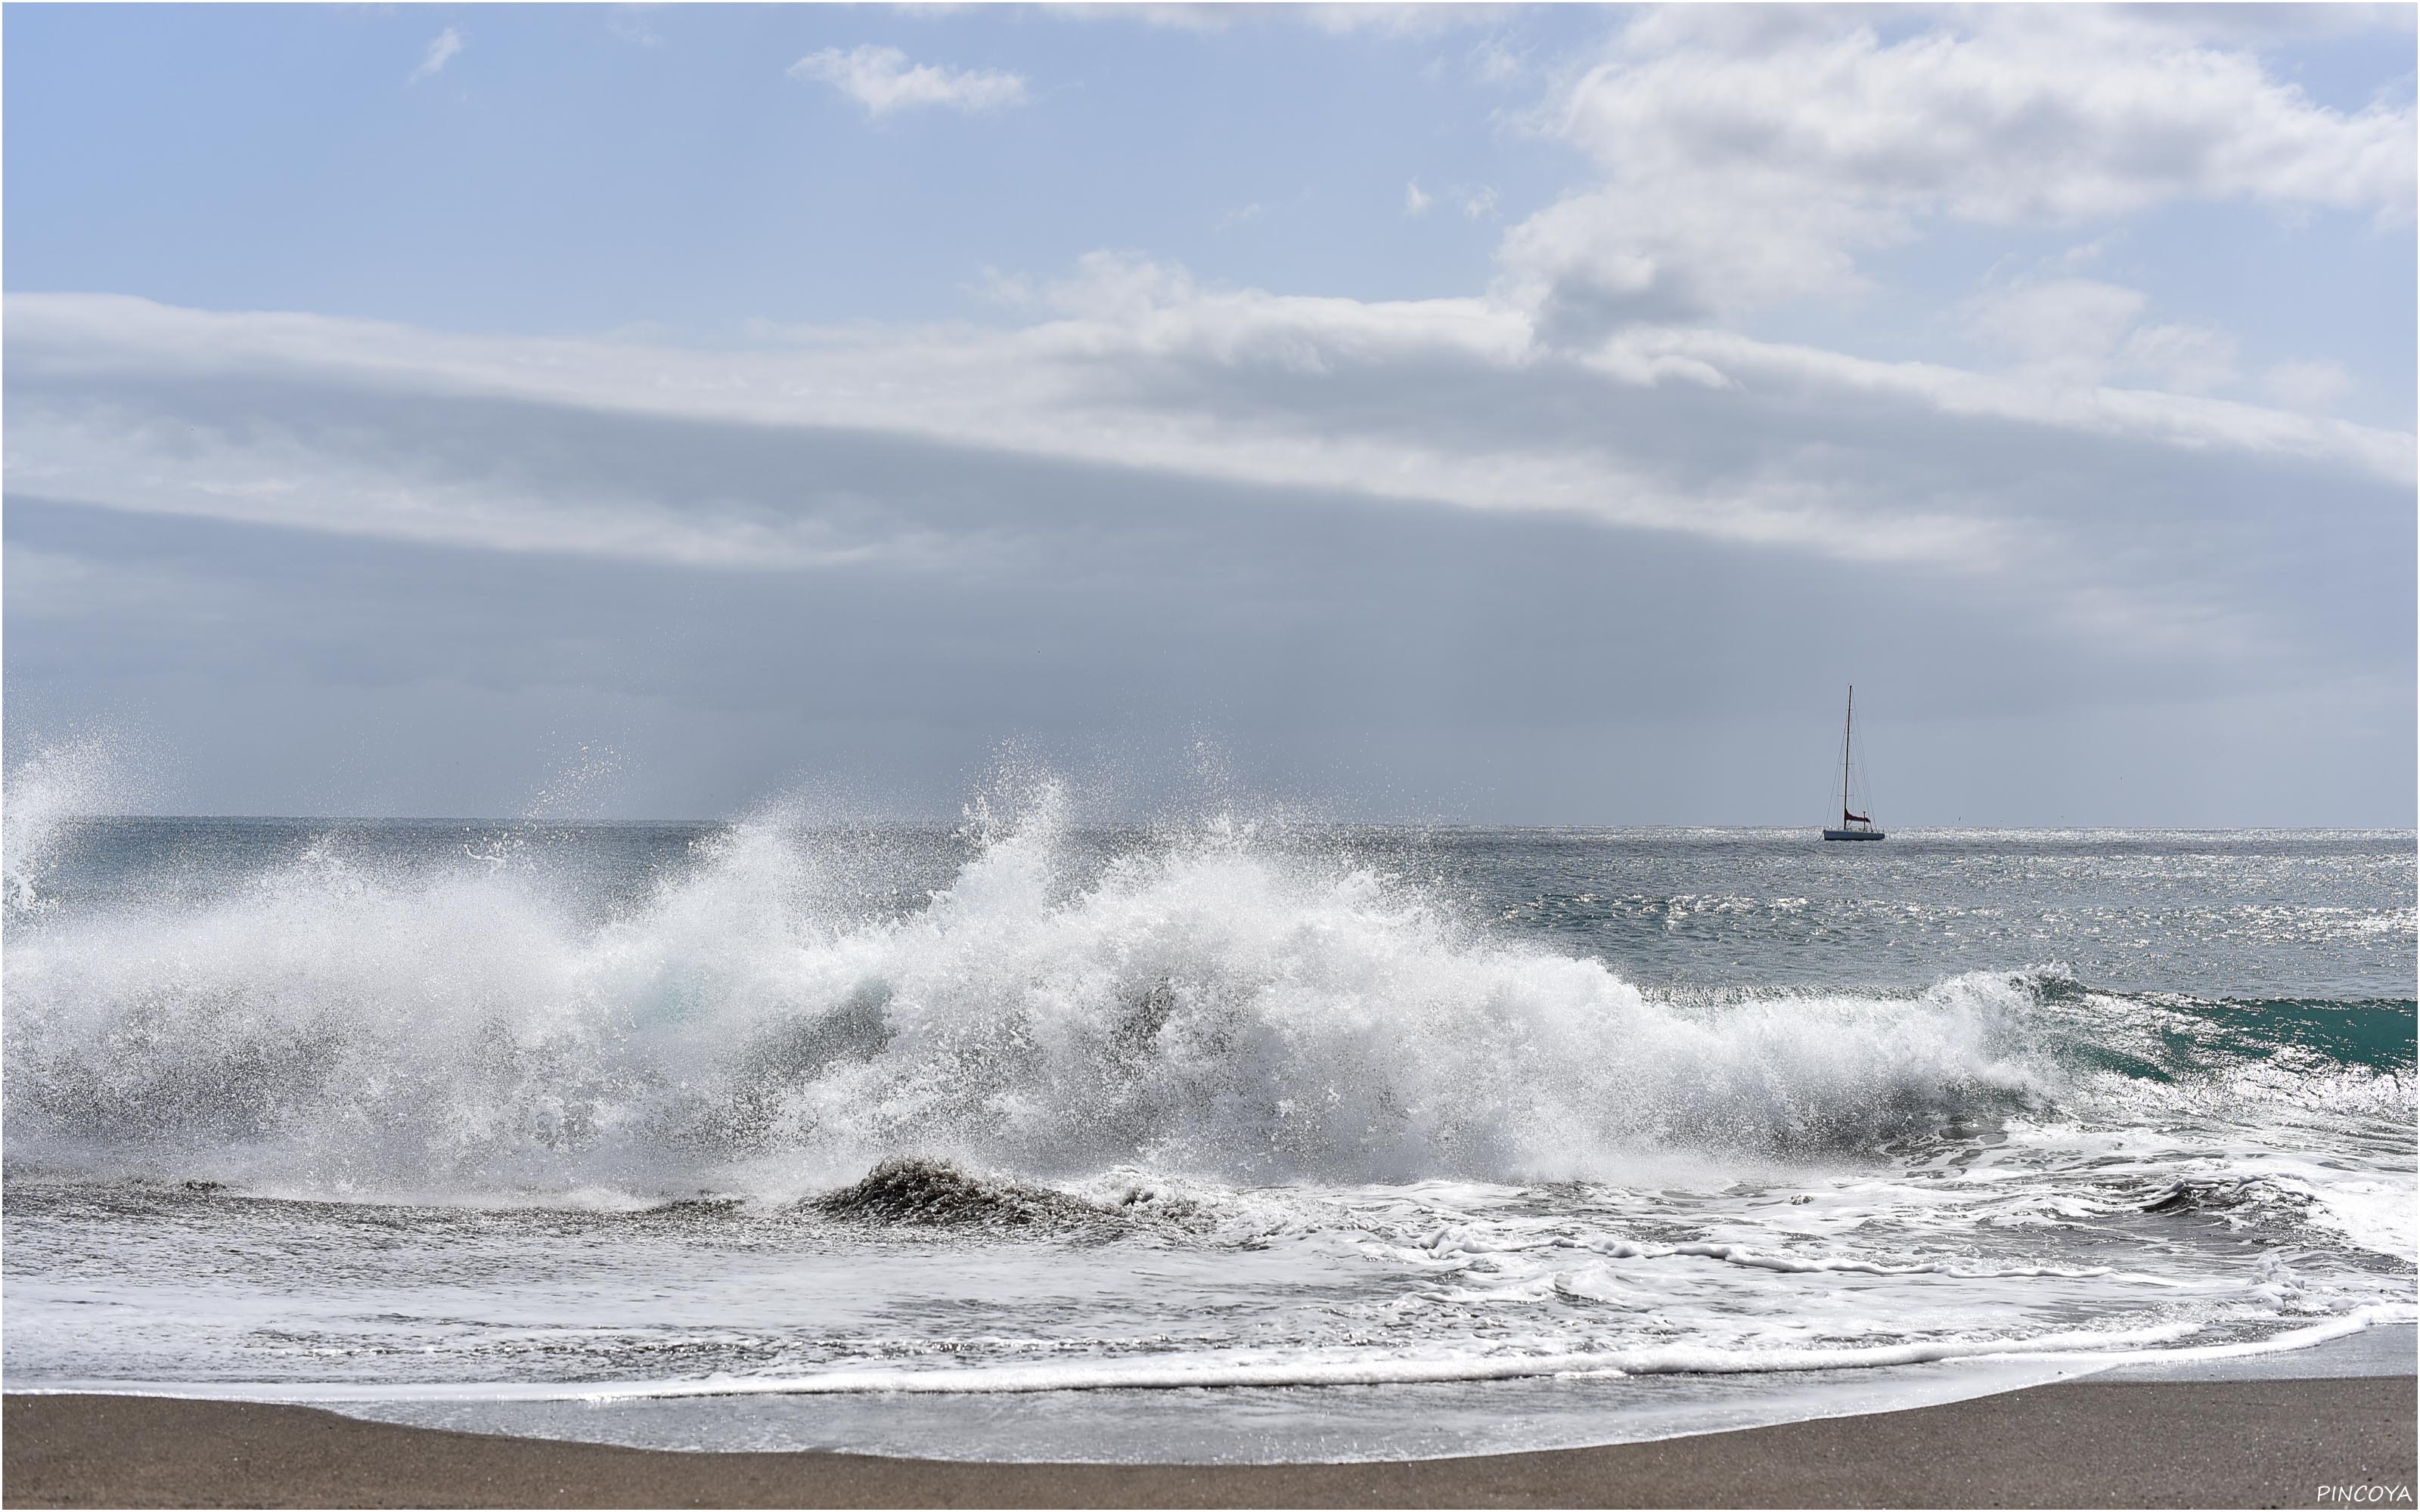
x: 42, y: 796
x: 1206, y: 1000
x: 658, y: 1114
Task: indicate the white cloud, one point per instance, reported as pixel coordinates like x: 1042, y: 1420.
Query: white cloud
x: 1245, y: 215
x: 1685, y: 431
x: 441, y: 52
x: 2083, y: 332
x: 1599, y: 257
x: 2303, y: 383
x: 1424, y: 18
x: 2178, y: 423
x: 883, y: 80
x: 1493, y: 63
x: 1420, y: 18
x: 1009, y: 291
x: 2063, y: 328
x: 2181, y: 359
x: 1749, y: 156
x: 2084, y: 253
x: 1174, y: 15
x: 267, y: 473
x: 1054, y: 384
x: 1473, y: 203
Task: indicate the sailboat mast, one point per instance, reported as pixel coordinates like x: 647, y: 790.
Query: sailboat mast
x: 1850, y: 719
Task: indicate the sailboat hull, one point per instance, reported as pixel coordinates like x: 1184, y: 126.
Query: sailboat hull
x: 1852, y: 834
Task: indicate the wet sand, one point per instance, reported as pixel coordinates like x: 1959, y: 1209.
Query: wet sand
x: 2262, y: 1442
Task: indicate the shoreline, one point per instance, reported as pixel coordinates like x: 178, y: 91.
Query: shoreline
x: 2271, y: 1442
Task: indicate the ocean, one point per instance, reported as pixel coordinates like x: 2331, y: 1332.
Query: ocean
x: 1223, y: 1138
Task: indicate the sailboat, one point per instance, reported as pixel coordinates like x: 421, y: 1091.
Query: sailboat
x: 1853, y: 825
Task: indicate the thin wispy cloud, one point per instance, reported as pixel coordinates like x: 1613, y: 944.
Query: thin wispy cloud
x: 2307, y: 383
x: 1493, y: 63
x: 1415, y: 199
x: 441, y: 52
x: 883, y: 80
x: 1426, y: 18
x: 632, y: 29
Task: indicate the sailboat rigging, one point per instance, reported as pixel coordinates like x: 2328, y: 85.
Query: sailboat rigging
x: 1853, y: 825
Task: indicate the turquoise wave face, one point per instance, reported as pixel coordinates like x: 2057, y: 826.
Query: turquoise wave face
x: 2380, y: 1034
x: 2172, y: 1037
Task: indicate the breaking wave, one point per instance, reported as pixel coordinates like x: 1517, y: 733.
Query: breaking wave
x: 1207, y: 1001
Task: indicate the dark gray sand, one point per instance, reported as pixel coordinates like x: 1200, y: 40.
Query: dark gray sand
x: 2262, y: 1442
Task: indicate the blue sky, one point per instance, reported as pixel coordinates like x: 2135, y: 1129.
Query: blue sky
x: 1490, y: 413
x: 581, y: 170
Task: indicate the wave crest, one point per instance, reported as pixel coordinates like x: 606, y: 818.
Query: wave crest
x: 1210, y: 1001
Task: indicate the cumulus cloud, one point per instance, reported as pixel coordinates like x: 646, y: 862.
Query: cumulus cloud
x: 883, y: 80
x: 1749, y: 157
x: 441, y: 52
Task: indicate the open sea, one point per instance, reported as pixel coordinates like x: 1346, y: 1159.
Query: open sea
x: 1219, y: 1139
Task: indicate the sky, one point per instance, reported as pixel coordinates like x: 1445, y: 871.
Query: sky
x: 1486, y: 415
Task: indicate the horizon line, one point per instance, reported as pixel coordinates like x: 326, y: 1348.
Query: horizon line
x: 1954, y: 827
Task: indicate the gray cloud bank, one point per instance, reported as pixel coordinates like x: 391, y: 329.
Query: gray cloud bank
x: 1408, y: 554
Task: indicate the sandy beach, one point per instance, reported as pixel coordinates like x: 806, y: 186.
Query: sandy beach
x: 2260, y: 1443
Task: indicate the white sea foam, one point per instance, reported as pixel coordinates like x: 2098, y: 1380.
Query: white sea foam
x: 2083, y: 1350
x: 1209, y: 1002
